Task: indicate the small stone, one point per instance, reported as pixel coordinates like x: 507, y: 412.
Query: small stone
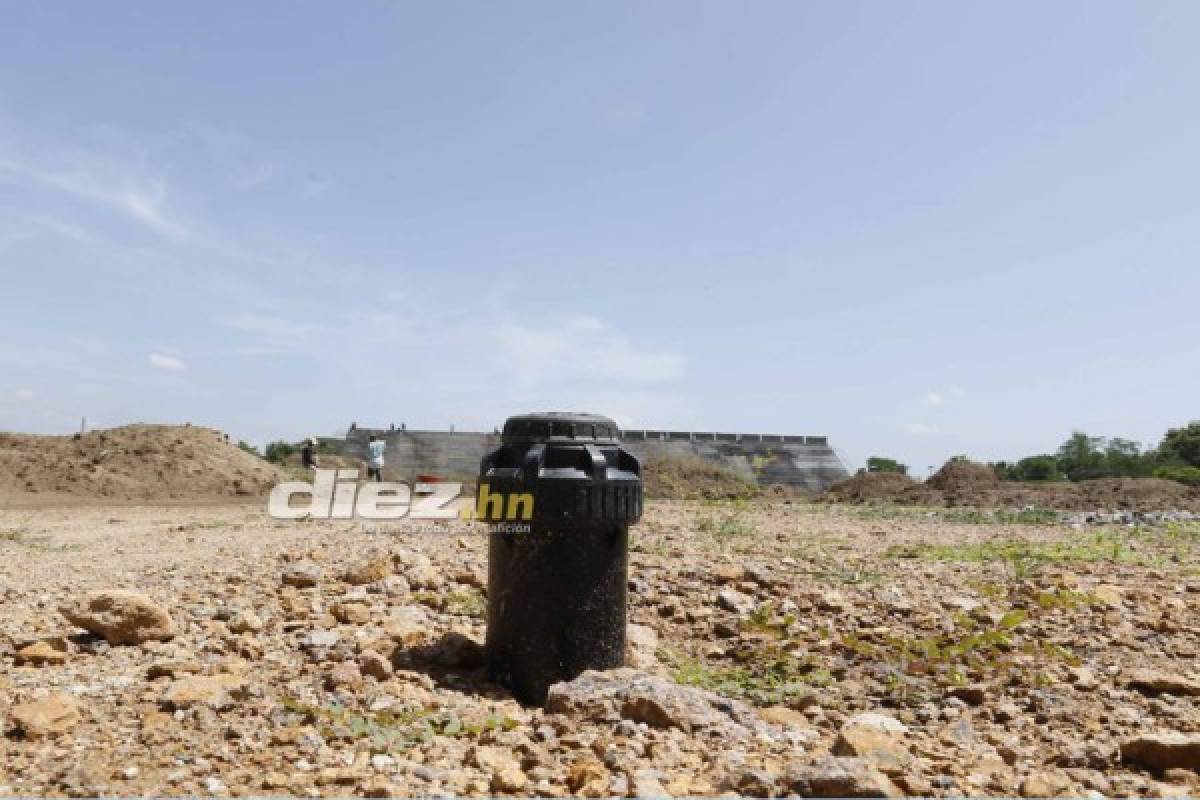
x: 344, y: 676
x: 784, y: 717
x: 1107, y: 594
x: 1045, y: 783
x: 39, y: 654
x: 321, y: 640
x: 972, y: 695
x: 735, y: 601
x: 245, y: 622
x: 370, y: 570
x: 641, y: 646
x: 46, y: 718
x: 302, y: 575
x: 375, y: 665
x: 505, y: 773
x: 215, y: 692
x: 588, y: 778
x: 352, y: 613
x: 838, y: 777
x: 876, y: 737
x: 408, y: 626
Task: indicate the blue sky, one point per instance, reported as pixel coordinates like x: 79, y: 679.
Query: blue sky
x: 922, y: 229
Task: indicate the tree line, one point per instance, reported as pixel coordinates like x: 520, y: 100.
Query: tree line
x: 1083, y: 457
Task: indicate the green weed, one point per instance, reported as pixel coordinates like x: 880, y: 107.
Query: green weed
x: 388, y: 730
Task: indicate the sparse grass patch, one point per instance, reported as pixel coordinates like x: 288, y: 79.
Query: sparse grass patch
x: 948, y: 658
x: 765, y: 672
x: 471, y: 603
x: 388, y: 730
x: 727, y: 529
x: 961, y: 516
x: 764, y: 675
x: 22, y: 536
x: 1141, y: 546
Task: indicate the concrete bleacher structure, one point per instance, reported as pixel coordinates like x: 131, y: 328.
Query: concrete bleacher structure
x: 804, y: 462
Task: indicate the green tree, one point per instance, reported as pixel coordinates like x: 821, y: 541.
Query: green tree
x: 278, y: 452
x: 1124, y: 458
x: 1186, y: 475
x: 881, y: 464
x: 1082, y: 457
x: 249, y: 448
x: 1037, y: 468
x: 1182, y: 445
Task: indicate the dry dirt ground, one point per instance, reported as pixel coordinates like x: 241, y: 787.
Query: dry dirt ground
x: 777, y: 648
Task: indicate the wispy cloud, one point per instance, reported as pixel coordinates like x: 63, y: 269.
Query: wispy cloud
x: 169, y: 363
x: 582, y: 348
x: 271, y: 334
x: 118, y: 187
x: 939, y: 397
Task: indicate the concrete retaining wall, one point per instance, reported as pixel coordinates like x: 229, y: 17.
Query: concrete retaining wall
x: 806, y: 462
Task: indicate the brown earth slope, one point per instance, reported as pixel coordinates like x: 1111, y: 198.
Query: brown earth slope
x: 974, y: 485
x: 135, y: 463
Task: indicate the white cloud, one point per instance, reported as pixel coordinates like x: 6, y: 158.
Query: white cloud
x: 940, y: 397
x: 273, y: 334
x: 24, y: 394
x: 581, y: 348
x: 170, y: 363
x: 117, y: 187
x: 922, y: 428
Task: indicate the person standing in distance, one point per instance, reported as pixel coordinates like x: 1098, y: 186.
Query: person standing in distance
x: 375, y: 449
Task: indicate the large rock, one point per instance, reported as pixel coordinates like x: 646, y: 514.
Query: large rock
x: 121, y: 617
x: 49, y: 717
x: 1163, y: 751
x: 839, y: 777
x: 660, y: 703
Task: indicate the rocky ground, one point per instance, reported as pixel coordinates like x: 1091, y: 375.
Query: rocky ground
x: 775, y: 648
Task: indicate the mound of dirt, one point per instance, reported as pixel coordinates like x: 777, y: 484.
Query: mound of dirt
x: 964, y: 484
x: 1130, y: 494
x: 145, y: 463
x: 691, y: 478
x: 870, y: 487
x: 963, y: 476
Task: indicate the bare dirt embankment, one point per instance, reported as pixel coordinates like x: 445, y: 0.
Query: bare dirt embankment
x: 693, y: 479
x: 960, y: 484
x: 131, y: 464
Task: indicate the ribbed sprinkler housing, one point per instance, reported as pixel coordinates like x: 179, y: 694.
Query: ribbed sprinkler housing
x: 559, y: 496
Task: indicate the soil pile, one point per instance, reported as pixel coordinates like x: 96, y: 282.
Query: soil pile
x: 144, y: 463
x: 966, y: 484
x: 692, y: 478
x: 963, y: 476
x: 870, y: 487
